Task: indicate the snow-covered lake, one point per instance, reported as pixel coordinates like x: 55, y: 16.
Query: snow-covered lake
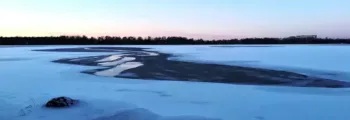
x: 330, y: 61
x: 29, y: 79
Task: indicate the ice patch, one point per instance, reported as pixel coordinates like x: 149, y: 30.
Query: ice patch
x: 151, y: 53
x: 110, y: 58
x: 118, y: 69
x: 114, y: 63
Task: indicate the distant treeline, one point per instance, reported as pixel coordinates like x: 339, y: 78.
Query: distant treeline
x: 108, y: 40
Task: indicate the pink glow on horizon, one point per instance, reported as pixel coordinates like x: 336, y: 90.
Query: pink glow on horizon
x: 211, y: 19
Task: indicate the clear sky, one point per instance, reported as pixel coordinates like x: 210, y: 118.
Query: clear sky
x: 191, y: 18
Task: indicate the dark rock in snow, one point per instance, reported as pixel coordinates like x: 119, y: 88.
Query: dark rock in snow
x: 61, y: 102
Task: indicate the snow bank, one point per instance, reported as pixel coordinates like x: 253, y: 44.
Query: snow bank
x: 118, y: 69
x: 114, y: 63
x: 110, y: 58
x: 151, y: 53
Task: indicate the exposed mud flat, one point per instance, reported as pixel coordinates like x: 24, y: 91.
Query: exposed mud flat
x: 140, y: 63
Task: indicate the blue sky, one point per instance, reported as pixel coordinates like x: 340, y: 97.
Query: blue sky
x: 191, y: 18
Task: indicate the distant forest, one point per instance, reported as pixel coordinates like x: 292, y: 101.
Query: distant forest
x: 108, y: 40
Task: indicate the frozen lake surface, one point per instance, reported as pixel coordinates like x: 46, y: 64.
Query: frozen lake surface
x: 142, y: 63
x: 30, y: 78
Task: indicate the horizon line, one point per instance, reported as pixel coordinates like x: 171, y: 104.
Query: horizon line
x: 163, y: 36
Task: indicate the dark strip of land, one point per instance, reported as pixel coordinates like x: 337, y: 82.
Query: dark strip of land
x: 171, y: 40
x: 158, y: 67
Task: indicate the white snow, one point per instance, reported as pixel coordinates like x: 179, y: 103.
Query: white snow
x: 118, y: 69
x: 113, y: 63
x: 110, y: 58
x: 151, y: 53
x: 28, y: 83
x: 302, y: 56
